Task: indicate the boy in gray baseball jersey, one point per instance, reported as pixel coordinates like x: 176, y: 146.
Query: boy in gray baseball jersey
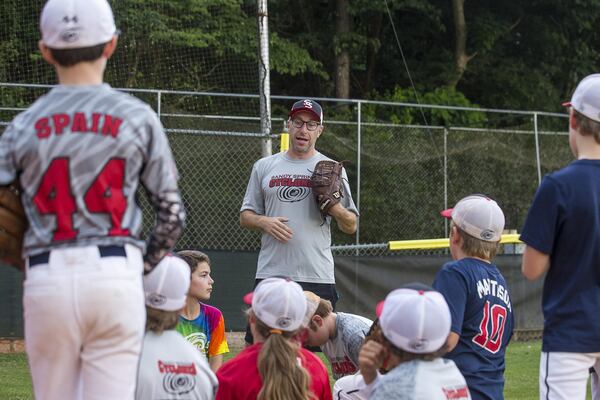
x: 79, y: 153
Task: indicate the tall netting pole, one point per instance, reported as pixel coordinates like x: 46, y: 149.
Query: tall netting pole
x: 264, y: 77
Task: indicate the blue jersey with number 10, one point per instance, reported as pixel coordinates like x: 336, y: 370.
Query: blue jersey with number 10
x: 482, y: 315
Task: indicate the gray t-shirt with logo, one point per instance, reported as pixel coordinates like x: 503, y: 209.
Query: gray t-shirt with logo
x: 80, y: 153
x: 172, y: 369
x: 279, y: 186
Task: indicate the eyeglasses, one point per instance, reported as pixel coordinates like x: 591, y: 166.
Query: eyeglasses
x: 310, y: 125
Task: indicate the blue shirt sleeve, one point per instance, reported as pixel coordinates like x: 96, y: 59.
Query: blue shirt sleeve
x: 543, y: 218
x: 454, y: 288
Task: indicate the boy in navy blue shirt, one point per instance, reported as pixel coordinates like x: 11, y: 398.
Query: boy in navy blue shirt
x: 562, y: 234
x: 478, y: 297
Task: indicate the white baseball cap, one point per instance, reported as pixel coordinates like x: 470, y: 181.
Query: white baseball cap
x: 73, y: 24
x: 586, y: 98
x: 279, y: 303
x: 479, y: 216
x: 417, y: 321
x: 167, y: 285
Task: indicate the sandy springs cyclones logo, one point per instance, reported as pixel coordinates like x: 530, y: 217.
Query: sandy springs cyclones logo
x: 178, y: 379
x: 291, y: 187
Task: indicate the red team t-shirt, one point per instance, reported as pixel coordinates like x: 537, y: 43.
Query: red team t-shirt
x: 239, y: 378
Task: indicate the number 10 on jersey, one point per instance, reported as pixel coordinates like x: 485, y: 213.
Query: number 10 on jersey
x: 490, y: 337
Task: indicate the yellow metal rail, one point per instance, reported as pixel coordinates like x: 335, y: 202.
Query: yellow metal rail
x: 424, y: 244
x: 284, y: 142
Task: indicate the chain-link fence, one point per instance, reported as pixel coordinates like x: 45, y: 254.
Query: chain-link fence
x: 401, y: 175
x: 406, y: 161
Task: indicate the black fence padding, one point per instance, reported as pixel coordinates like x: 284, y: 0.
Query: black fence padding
x: 364, y: 281
x: 234, y: 274
x: 361, y: 283
x: 11, y: 304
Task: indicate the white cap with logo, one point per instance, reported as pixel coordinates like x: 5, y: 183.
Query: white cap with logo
x: 73, y: 24
x: 279, y: 303
x: 586, y: 98
x: 479, y: 216
x: 417, y: 321
x: 167, y: 285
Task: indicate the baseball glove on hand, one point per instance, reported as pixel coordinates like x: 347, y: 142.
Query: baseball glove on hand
x: 13, y: 224
x: 327, y: 185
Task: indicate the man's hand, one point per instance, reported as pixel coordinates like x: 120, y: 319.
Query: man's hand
x: 370, y: 359
x: 276, y: 227
x: 346, y: 220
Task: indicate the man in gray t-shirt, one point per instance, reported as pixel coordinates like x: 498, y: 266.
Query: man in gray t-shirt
x: 296, y: 241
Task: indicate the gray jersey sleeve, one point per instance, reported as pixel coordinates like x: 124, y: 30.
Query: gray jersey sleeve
x: 253, y: 199
x: 353, y: 328
x: 8, y: 166
x: 159, y: 173
x: 347, y: 200
x: 159, y: 176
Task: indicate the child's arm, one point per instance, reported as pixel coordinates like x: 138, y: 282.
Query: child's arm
x: 218, y: 342
x: 452, y: 341
x: 215, y: 362
x: 534, y: 263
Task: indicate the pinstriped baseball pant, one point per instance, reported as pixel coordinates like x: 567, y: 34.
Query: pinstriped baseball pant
x: 84, y: 323
x: 563, y: 376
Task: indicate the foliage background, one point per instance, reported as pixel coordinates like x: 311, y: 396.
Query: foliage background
x: 522, y: 55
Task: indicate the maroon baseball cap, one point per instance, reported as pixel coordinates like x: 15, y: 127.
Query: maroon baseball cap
x: 310, y: 106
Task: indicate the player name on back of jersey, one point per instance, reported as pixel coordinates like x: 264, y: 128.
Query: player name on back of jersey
x: 176, y: 368
x: 96, y: 123
x: 486, y: 287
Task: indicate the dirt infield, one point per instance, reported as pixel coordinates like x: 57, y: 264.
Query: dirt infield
x: 8, y: 345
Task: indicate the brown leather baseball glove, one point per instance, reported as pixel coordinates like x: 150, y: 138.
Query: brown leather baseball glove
x: 327, y: 185
x: 13, y: 224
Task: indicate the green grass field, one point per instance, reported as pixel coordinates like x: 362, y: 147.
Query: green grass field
x: 521, y: 375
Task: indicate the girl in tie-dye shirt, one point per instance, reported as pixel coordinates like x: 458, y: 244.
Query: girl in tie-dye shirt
x: 202, y: 325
